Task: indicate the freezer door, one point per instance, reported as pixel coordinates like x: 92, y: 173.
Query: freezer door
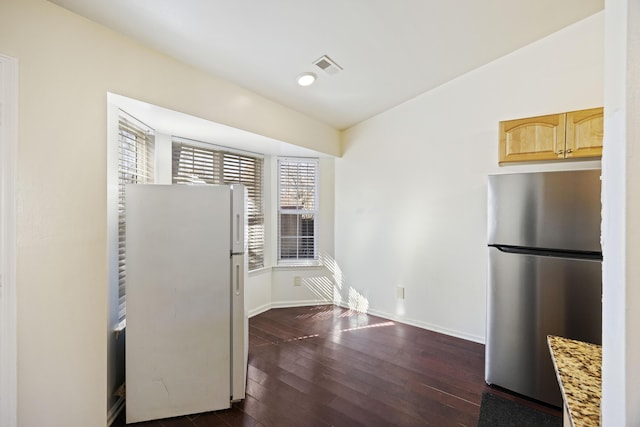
x: 530, y: 297
x: 553, y: 210
x: 239, y: 219
x: 239, y: 327
x: 178, y: 300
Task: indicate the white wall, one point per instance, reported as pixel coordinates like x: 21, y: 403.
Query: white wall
x: 620, y: 224
x: 411, y: 185
x: 8, y: 160
x: 67, y: 66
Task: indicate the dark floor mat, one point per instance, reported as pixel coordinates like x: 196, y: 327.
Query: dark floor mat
x: 498, y: 412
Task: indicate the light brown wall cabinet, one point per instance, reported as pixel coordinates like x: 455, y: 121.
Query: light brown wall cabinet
x: 557, y: 136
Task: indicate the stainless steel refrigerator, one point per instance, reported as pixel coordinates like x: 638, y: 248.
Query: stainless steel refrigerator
x: 187, y: 329
x: 545, y: 274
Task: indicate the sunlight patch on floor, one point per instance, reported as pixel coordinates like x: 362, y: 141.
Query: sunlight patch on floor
x: 304, y: 337
x: 375, y: 325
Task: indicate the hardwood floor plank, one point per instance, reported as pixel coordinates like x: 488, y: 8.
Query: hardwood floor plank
x: 329, y: 366
x: 210, y: 419
x: 177, y: 422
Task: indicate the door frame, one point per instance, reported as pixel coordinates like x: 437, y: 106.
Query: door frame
x: 8, y: 173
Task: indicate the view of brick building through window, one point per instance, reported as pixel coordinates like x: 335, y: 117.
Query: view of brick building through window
x: 297, y: 209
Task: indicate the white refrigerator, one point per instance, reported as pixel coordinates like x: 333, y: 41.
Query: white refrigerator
x: 187, y: 327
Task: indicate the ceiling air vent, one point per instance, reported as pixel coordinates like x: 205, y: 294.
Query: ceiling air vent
x: 327, y: 65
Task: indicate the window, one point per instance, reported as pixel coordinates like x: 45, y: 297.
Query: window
x: 297, y: 209
x: 194, y: 163
x: 135, y: 166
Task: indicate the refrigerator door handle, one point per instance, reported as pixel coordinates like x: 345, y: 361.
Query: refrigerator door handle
x: 238, y: 219
x: 557, y: 253
x: 240, y: 329
x: 238, y: 278
x: 238, y: 230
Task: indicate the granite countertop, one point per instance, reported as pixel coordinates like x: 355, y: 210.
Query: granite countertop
x: 578, y: 368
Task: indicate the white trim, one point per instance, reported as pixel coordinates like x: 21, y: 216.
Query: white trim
x: 287, y: 304
x: 422, y: 325
x: 302, y: 303
x: 260, y: 310
x: 428, y: 326
x: 260, y: 271
x: 620, y: 404
x: 299, y: 265
x: 8, y: 155
x: 315, y: 212
x: 384, y: 315
x: 311, y: 265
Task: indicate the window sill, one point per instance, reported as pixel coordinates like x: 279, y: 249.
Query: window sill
x: 294, y: 265
x: 260, y: 271
x: 312, y: 265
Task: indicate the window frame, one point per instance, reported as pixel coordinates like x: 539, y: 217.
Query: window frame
x: 219, y: 176
x: 145, y: 140
x: 315, y: 212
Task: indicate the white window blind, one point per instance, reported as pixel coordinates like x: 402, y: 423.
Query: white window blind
x: 135, y: 166
x: 197, y: 164
x: 297, y: 209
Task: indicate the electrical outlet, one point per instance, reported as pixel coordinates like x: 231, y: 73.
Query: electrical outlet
x: 297, y: 281
x: 400, y: 292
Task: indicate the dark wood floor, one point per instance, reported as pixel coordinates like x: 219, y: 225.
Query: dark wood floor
x: 328, y: 366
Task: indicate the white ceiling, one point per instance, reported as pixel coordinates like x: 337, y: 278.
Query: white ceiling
x: 390, y: 50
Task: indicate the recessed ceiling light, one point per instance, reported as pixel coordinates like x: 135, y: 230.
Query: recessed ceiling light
x: 306, y: 79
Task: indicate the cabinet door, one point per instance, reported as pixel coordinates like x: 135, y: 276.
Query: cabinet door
x: 585, y: 129
x: 534, y: 138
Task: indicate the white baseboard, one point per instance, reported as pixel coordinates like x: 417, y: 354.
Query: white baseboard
x: 259, y: 310
x: 384, y: 315
x: 424, y: 325
x: 304, y: 303
x: 287, y: 304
